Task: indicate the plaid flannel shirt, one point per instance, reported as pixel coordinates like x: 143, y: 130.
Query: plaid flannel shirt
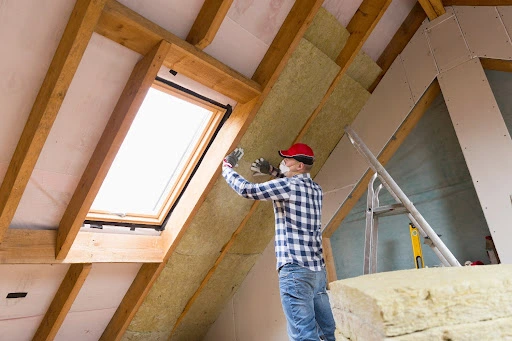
x: 297, y: 206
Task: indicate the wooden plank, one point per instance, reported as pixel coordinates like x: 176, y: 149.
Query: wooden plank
x: 71, y: 48
x: 330, y: 267
x: 62, y: 302
x: 496, y: 64
x: 360, y: 27
x: 132, y: 301
x: 208, y: 22
x: 295, y: 25
x: 141, y: 79
x: 399, y: 41
x: 128, y: 28
x: 433, y: 8
x: 403, y: 131
x: 208, y: 172
x: 22, y: 246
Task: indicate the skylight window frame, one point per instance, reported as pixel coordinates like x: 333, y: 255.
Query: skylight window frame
x: 190, y: 163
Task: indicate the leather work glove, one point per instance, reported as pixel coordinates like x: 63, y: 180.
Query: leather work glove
x: 231, y: 160
x: 261, y: 167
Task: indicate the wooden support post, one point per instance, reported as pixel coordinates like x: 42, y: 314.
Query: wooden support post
x: 141, y: 79
x: 62, y: 302
x: 208, y: 22
x: 71, y: 48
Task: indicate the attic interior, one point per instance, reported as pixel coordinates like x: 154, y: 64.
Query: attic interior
x: 156, y: 246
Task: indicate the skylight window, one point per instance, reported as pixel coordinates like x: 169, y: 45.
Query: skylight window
x: 162, y: 147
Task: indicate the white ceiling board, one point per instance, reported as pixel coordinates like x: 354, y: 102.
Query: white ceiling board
x: 237, y: 48
x: 172, y: 15
x: 39, y: 281
x: 387, y: 27
x: 419, y: 64
x: 484, y: 31
x: 506, y: 17
x: 332, y: 203
x: 343, y: 10
x: 30, y: 32
x: 85, y: 325
x: 261, y: 18
x: 486, y: 145
x: 197, y: 87
x: 20, y: 329
x: 105, y: 286
x: 447, y: 43
x: 386, y: 109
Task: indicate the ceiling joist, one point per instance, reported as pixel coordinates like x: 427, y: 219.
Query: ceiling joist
x: 130, y: 29
x: 433, y: 8
x: 208, y: 22
x: 62, y: 302
x: 71, y: 48
x: 276, y: 58
x: 141, y: 79
x: 403, y: 131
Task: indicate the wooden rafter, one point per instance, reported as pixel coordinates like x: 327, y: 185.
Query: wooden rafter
x: 62, y: 302
x: 38, y: 247
x: 71, y: 48
x: 496, y: 64
x: 128, y: 28
x: 329, y: 260
x: 367, y: 17
x: 141, y: 79
x: 360, y: 27
x: 409, y: 123
x: 208, y: 172
x: 208, y: 22
x: 399, y: 41
x: 433, y: 8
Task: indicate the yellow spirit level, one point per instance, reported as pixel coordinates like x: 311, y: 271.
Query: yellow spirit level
x: 416, y: 247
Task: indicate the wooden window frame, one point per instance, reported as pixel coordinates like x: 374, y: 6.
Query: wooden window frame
x: 191, y: 162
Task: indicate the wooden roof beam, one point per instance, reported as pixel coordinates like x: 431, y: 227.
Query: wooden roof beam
x: 141, y: 79
x: 71, y: 48
x: 268, y: 72
x: 403, y: 131
x: 433, y: 8
x: 130, y: 29
x: 62, y: 302
x: 399, y: 41
x: 208, y: 22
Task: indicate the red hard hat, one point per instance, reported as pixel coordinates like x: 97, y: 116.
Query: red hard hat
x: 300, y: 152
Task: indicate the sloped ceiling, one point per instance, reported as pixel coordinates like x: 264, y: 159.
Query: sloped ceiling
x: 30, y: 32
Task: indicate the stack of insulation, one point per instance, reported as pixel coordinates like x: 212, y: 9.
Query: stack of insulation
x: 456, y: 304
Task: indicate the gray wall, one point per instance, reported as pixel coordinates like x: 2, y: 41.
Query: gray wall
x: 430, y: 168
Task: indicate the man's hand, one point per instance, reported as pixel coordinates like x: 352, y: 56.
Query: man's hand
x: 231, y: 160
x: 261, y: 167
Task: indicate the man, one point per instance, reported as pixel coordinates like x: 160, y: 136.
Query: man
x: 297, y: 201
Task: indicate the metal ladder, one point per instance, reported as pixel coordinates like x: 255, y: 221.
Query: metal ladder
x: 403, y: 206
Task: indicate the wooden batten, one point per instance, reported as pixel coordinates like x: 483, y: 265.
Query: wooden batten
x: 403, y: 131
x: 65, y: 62
x: 141, y: 79
x: 496, y: 64
x: 433, y: 8
x: 208, y: 22
x: 62, y: 302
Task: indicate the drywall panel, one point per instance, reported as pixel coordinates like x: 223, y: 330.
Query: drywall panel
x: 224, y: 326
x: 342, y: 10
x: 484, y: 31
x: 447, y: 43
x: 237, y: 48
x: 169, y: 14
x: 386, y: 109
x: 91, y: 98
x: 39, y: 281
x: 20, y: 329
x: 332, y: 202
x: 505, y: 13
x: 486, y: 145
x: 85, y: 325
x: 29, y: 32
x: 419, y: 64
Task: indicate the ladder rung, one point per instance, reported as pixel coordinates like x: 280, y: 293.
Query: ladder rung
x: 388, y: 210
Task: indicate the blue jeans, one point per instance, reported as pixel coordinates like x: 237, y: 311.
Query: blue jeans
x: 306, y: 304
